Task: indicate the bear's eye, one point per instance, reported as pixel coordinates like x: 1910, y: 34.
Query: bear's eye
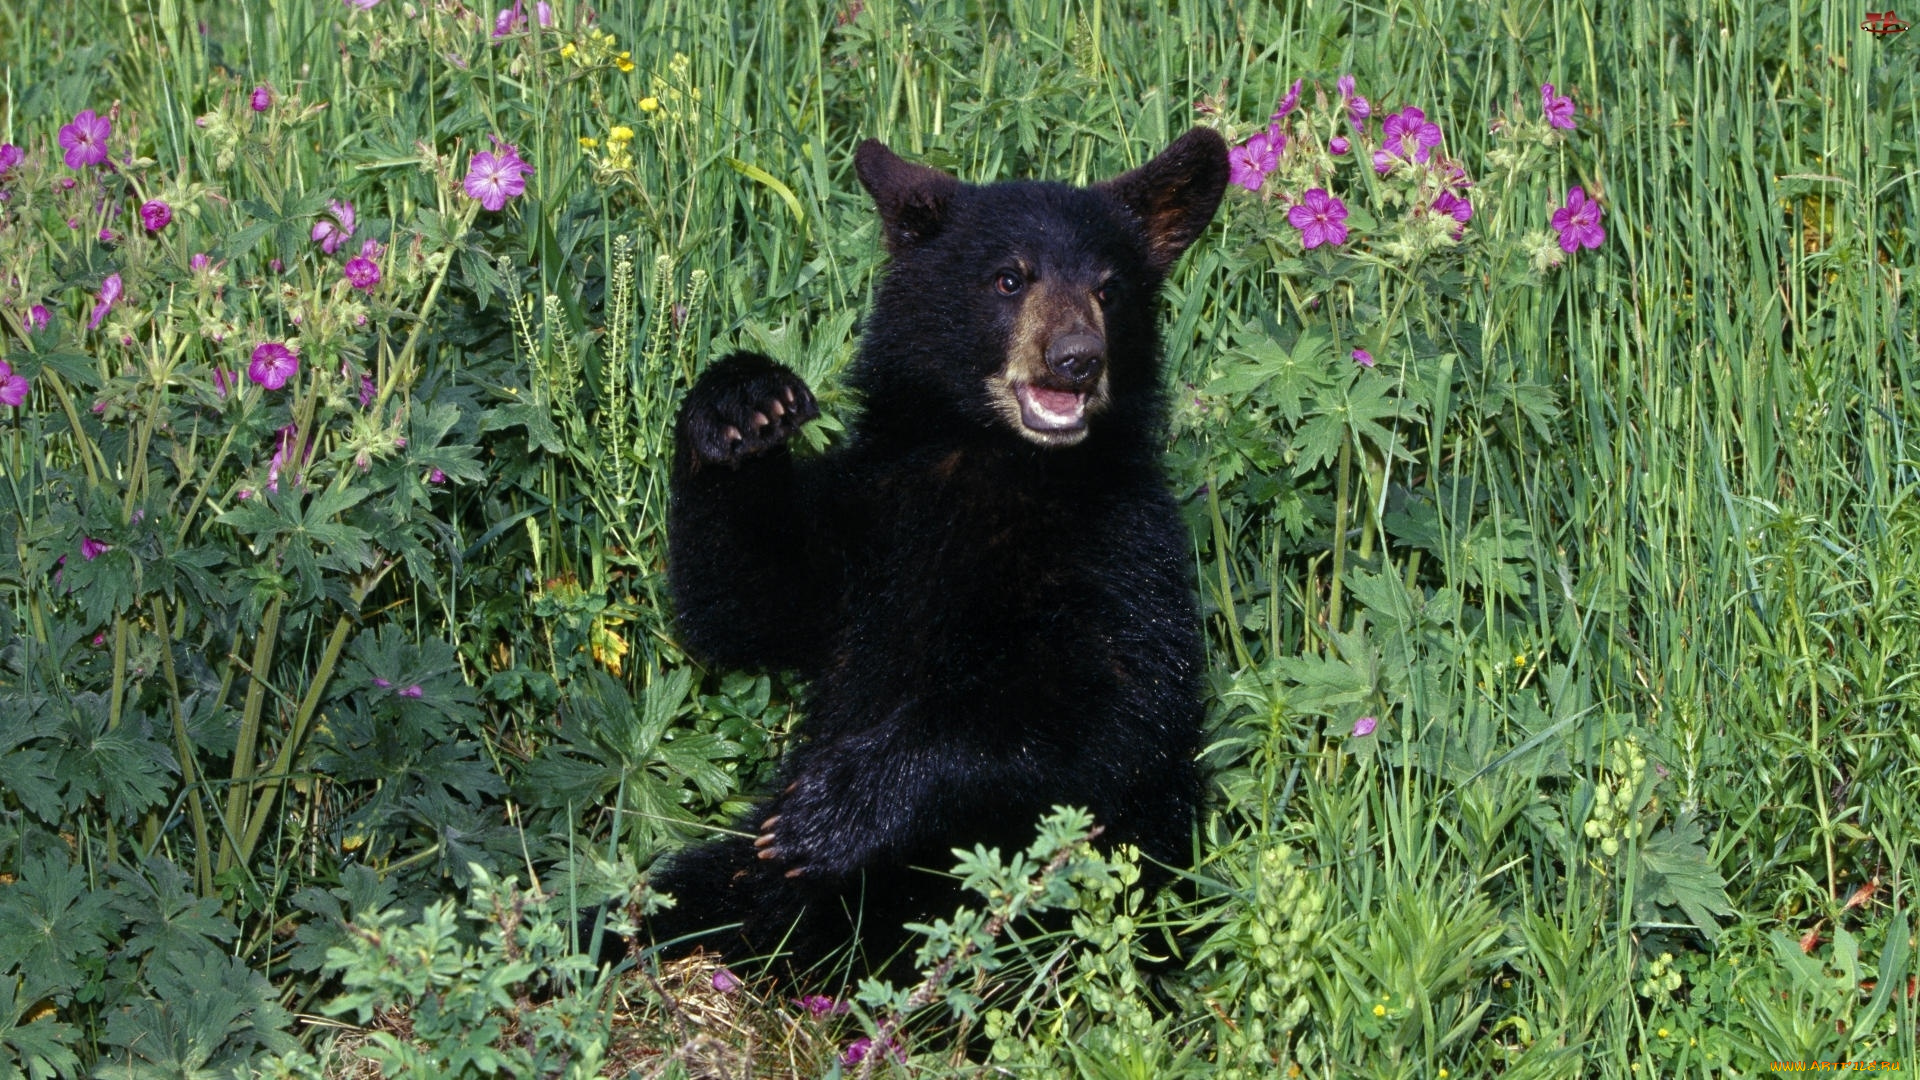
x: 1104, y: 294
x: 1009, y: 283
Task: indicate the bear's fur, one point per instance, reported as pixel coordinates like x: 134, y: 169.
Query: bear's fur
x: 986, y: 588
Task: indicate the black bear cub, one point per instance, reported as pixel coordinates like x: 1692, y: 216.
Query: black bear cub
x: 986, y: 588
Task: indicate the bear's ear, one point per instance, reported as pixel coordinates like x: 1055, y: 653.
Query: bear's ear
x: 912, y: 199
x: 1175, y: 194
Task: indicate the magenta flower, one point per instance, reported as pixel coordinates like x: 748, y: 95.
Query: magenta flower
x: 1363, y: 727
x: 382, y: 683
x: 272, y: 365
x: 223, y: 381
x: 858, y: 1049
x: 1318, y: 216
x: 435, y: 476
x: 91, y: 549
x: 1363, y: 358
x: 37, y: 318
x: 820, y: 1005
x: 110, y: 291
x: 496, y: 176
x: 155, y: 214
x: 509, y: 20
x: 10, y: 155
x: 363, y: 5
x: 1578, y: 222
x: 1288, y: 103
x: 1411, y: 123
x: 1338, y: 145
x: 1249, y: 163
x: 413, y: 691
x: 13, y: 388
x: 1558, y: 107
x: 368, y: 391
x: 330, y: 233
x: 1345, y: 85
x: 723, y: 980
x: 544, y: 12
x: 261, y: 99
x: 362, y: 273
x: 1454, y: 207
x: 85, y: 139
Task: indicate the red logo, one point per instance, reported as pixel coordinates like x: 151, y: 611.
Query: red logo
x: 1883, y: 22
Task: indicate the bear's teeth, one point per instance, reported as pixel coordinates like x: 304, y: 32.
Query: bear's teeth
x: 1052, y: 409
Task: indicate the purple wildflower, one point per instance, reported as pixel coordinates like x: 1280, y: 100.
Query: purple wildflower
x: 1249, y: 163
x: 91, y: 549
x: 1338, y: 145
x: 1410, y: 123
x: 1558, y: 107
x: 155, y: 214
x: 261, y: 99
x: 331, y: 233
x: 13, y: 388
x: 362, y: 273
x: 10, y: 155
x: 1578, y: 222
x: 1364, y: 726
x: 1454, y: 207
x: 1358, y: 110
x: 381, y: 683
x: 224, y: 381
x: 1363, y: 358
x: 723, y: 980
x: 435, y: 476
x: 1288, y: 103
x: 367, y: 390
x: 509, y: 20
x: 1318, y: 216
x: 108, y: 236
x: 272, y: 365
x: 543, y: 12
x: 110, y: 291
x: 858, y: 1049
x: 819, y: 1005
x: 85, y: 139
x: 1345, y: 85
x: 37, y: 318
x: 363, y: 5
x: 413, y: 691
x: 496, y: 176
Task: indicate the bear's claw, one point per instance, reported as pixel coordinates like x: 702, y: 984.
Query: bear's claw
x: 744, y: 406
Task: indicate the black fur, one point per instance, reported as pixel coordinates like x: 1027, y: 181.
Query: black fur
x: 987, y: 627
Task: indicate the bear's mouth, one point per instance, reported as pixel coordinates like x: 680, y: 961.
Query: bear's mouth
x: 1047, y: 411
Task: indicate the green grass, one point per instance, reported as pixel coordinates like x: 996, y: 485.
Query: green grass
x: 1630, y: 541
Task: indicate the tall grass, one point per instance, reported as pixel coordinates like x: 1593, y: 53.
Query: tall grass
x: 1669, y: 491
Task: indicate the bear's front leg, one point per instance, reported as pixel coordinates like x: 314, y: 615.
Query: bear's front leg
x: 742, y: 558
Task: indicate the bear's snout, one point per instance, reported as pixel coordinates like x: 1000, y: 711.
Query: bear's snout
x: 1077, y: 358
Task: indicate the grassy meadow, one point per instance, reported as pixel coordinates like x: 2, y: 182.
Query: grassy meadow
x: 1562, y: 605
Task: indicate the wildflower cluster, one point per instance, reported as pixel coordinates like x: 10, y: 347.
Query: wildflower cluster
x: 1265, y: 958
x: 595, y: 49
x: 1616, y: 798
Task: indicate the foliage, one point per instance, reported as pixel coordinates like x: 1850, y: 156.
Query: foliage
x: 1559, y: 596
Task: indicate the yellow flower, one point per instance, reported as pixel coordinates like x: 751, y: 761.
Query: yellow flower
x: 1663, y: 1033
x: 588, y: 142
x: 620, y: 133
x: 624, y: 62
x: 1379, y: 1010
x: 649, y: 104
x: 567, y: 51
x: 1444, y: 1074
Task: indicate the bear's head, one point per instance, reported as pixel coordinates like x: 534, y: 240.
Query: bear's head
x: 1027, y: 308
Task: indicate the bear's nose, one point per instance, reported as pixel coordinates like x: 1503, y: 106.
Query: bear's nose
x: 1076, y: 357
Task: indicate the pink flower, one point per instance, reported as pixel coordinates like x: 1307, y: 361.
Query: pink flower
x: 10, y: 155
x: 367, y: 390
x: 1345, y: 85
x: 361, y: 273
x: 1288, y: 103
x: 261, y: 99
x: 1318, y: 216
x: 155, y: 214
x: 1455, y: 207
x: 1578, y: 222
x: 330, y: 234
x: 13, y: 388
x: 1363, y: 727
x: 37, y: 318
x: 413, y: 691
x: 91, y: 549
x: 223, y: 381
x: 1249, y: 163
x: 543, y: 11
x: 819, y: 1005
x: 381, y: 683
x: 272, y: 365
x: 858, y: 1049
x: 435, y: 476
x: 1338, y: 145
x: 85, y: 140
x: 1558, y: 107
x: 509, y: 20
x: 495, y: 177
x: 108, y: 236
x: 110, y: 291
x: 1411, y: 123
x: 723, y: 980
x: 363, y: 5
x: 1363, y: 358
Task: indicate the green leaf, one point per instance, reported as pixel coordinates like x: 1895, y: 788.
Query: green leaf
x: 50, y: 919
x: 1677, y: 871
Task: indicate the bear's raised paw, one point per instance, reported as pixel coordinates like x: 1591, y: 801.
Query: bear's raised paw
x: 742, y: 407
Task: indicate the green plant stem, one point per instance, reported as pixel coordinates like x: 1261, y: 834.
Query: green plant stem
x: 1339, y: 534
x: 183, y: 747
x: 249, y: 738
